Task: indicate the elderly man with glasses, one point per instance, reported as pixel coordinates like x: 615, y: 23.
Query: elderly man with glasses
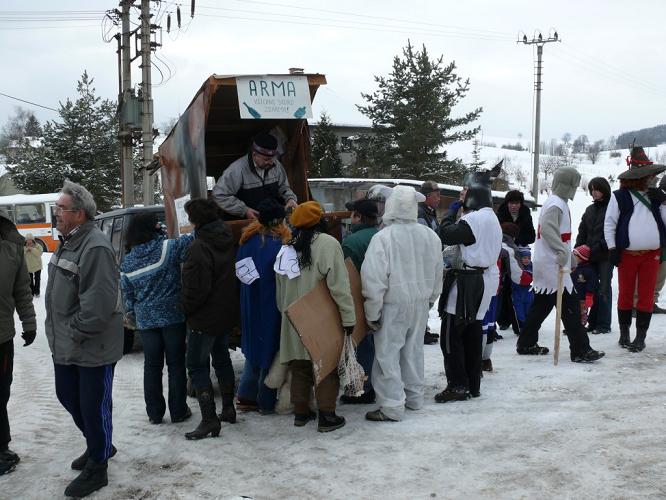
x: 84, y: 330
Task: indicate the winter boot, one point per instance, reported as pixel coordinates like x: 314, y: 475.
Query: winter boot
x: 486, y: 365
x: 186, y: 415
x: 588, y: 356
x: 378, y: 416
x: 301, y: 419
x: 624, y: 320
x: 533, y: 350
x: 92, y: 477
x: 228, y: 413
x: 8, y: 461
x: 80, y: 462
x: 368, y: 397
x: 329, y: 421
x: 642, y: 325
x: 452, y: 394
x: 209, y: 422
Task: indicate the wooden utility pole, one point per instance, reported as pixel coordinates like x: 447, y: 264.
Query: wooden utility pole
x: 539, y: 41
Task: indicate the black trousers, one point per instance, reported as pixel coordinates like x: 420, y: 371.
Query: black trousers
x: 6, y: 371
x: 35, y: 281
x: 461, y: 346
x: 540, y: 309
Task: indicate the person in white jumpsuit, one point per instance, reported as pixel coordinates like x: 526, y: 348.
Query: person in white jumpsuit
x: 401, y: 277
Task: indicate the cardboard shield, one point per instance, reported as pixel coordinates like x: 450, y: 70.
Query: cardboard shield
x: 361, y: 328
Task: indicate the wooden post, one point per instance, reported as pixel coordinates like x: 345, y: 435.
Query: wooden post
x: 558, y: 315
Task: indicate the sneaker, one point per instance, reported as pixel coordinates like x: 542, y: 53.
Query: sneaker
x: 367, y: 398
x: 80, y: 462
x: 533, y: 350
x: 658, y: 310
x: 587, y: 357
x: 329, y: 421
x: 378, y: 416
x: 448, y: 395
x: 301, y: 419
x: 188, y: 414
x: 487, y: 365
x: 430, y: 338
x: 246, y: 405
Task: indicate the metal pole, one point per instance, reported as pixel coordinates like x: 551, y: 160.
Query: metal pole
x: 537, y: 127
x: 147, y: 103
x: 126, y: 156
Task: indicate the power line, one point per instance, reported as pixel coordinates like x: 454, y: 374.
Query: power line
x: 28, y: 102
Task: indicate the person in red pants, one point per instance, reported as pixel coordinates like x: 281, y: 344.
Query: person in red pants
x: 635, y: 232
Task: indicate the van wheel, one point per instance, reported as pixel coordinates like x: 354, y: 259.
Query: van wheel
x: 43, y: 245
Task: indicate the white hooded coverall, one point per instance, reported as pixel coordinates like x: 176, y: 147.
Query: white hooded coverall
x: 401, y: 275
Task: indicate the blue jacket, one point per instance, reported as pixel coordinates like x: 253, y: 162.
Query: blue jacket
x: 260, y: 317
x: 585, y: 279
x: 150, y: 282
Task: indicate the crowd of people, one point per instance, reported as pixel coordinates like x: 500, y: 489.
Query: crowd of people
x: 185, y: 295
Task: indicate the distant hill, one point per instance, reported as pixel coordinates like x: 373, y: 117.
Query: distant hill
x: 646, y: 137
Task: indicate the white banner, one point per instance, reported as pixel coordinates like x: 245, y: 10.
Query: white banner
x: 246, y: 271
x: 264, y: 97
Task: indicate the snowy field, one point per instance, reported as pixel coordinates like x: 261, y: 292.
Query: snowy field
x: 537, y: 431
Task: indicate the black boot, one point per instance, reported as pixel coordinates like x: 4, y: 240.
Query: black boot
x: 624, y: 320
x: 92, y: 477
x: 80, y: 462
x: 452, y: 394
x: 642, y: 325
x: 8, y: 461
x: 209, y: 422
x: 329, y: 421
x: 368, y: 397
x: 228, y: 413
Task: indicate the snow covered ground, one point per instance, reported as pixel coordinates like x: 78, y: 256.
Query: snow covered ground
x: 571, y: 431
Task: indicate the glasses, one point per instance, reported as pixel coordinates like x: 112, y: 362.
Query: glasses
x: 59, y: 210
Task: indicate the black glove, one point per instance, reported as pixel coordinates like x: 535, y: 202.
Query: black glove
x: 29, y: 337
x: 348, y: 330
x: 656, y: 194
x: 614, y: 257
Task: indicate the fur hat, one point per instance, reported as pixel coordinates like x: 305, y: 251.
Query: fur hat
x: 270, y: 210
x: 265, y: 144
x: 514, y: 196
x: 640, y: 165
x: 582, y: 252
x: 306, y: 215
x: 29, y: 237
x: 365, y: 207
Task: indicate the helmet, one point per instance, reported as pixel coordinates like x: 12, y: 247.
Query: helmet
x: 478, y: 197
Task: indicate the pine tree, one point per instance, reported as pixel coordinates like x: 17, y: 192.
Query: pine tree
x: 477, y: 162
x: 325, y: 156
x: 81, y: 146
x: 411, y: 117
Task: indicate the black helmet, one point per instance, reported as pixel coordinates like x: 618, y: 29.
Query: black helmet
x: 478, y: 197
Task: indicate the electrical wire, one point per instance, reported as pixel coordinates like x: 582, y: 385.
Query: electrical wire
x: 28, y: 102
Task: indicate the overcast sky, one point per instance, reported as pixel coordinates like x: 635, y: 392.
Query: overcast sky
x: 607, y: 76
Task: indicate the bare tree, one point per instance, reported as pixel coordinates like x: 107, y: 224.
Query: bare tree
x: 548, y: 165
x: 594, y: 150
x: 566, y: 139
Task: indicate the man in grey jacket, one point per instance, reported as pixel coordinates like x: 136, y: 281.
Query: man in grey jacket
x: 15, y: 294
x: 253, y: 178
x: 84, y: 330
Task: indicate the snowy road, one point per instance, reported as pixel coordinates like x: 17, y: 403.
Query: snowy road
x: 537, y: 431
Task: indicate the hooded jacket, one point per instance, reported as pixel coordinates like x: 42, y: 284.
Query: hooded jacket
x: 150, y: 282
x: 83, y: 303
x: 15, y: 294
x: 210, y: 289
x: 403, y: 263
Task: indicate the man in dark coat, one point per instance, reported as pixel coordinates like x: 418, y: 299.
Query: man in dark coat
x: 514, y: 210
x: 591, y: 233
x: 16, y: 296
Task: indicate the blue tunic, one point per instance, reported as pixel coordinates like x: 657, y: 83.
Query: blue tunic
x: 260, y: 318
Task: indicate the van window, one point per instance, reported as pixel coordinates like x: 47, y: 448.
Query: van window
x: 32, y: 213
x: 106, y: 226
x: 9, y: 210
x: 116, y: 236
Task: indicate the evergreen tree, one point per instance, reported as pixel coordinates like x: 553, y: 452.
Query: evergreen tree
x: 411, y: 117
x: 82, y: 146
x: 325, y: 156
x: 477, y: 162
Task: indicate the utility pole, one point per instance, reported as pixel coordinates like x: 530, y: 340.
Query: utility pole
x: 146, y: 103
x: 126, y: 153
x: 539, y: 41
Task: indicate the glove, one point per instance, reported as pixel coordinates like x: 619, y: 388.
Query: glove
x: 656, y: 194
x: 348, y: 330
x: 29, y: 337
x: 374, y: 325
x: 562, y: 259
x: 614, y: 257
x: 455, y: 206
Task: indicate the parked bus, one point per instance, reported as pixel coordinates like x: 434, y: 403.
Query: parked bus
x: 33, y: 213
